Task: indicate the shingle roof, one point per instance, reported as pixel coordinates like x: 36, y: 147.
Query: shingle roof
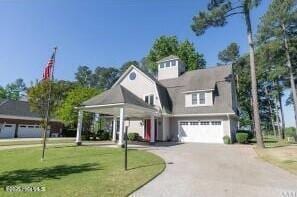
x: 211, y: 78
x: 170, y: 57
x: 116, y: 94
x: 17, y: 108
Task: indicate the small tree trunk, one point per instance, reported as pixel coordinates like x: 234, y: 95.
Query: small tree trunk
x: 277, y: 117
x: 292, y: 81
x: 259, y: 136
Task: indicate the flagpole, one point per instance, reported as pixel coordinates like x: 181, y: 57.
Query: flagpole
x: 47, y: 116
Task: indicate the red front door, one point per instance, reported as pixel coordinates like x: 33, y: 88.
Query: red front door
x: 147, y: 130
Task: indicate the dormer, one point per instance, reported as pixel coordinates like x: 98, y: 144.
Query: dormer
x: 170, y: 67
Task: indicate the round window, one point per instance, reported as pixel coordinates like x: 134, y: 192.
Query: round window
x: 132, y: 76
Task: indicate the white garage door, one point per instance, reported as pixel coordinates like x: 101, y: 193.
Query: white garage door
x: 201, y: 131
x: 7, y: 130
x: 27, y: 131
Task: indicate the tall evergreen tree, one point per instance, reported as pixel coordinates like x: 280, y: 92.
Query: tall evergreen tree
x: 217, y: 15
x: 279, y: 23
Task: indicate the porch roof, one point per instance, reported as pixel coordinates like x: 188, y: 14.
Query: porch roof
x: 110, y: 101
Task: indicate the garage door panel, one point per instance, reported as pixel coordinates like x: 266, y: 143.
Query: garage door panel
x: 201, y: 131
x: 7, y: 131
x: 29, y: 131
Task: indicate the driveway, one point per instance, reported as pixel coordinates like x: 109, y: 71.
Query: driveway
x: 217, y: 170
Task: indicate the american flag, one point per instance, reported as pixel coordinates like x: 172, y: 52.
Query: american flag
x: 48, y: 70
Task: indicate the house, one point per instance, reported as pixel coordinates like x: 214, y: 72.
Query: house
x: 17, y: 121
x: 192, y: 106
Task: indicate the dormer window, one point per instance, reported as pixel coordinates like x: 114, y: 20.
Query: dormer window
x: 201, y: 98
x: 162, y: 65
x: 167, y: 64
x: 194, y: 99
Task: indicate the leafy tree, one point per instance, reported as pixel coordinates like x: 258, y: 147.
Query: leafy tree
x: 279, y: 23
x: 15, y: 90
x: 217, y: 15
x: 44, y: 102
x: 74, y: 98
x: 104, y: 78
x: 169, y: 45
x: 230, y: 54
x: 2, y: 93
x: 126, y: 65
x: 84, y: 76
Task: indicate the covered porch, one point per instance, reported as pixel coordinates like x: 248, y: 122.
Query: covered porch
x: 122, y: 106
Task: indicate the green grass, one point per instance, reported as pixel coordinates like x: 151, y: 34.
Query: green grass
x: 77, y: 171
x: 30, y: 142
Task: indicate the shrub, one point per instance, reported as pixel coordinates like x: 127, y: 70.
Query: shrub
x: 227, y: 139
x: 103, y: 135
x: 133, y: 136
x: 290, y: 132
x: 250, y: 134
x: 242, y: 138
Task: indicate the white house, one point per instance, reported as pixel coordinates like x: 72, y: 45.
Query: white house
x: 193, y: 106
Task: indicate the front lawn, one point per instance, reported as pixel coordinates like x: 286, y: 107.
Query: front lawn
x: 78, y: 171
x: 279, y: 153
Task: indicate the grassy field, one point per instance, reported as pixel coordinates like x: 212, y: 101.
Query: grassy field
x: 279, y: 153
x: 77, y: 171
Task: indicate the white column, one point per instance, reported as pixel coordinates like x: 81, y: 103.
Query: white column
x: 152, y: 129
x: 121, y: 131
x: 165, y: 128
x: 114, y: 129
x: 79, y: 127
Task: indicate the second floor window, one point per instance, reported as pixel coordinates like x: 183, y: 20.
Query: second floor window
x: 198, y: 98
x: 202, y: 98
x: 149, y: 99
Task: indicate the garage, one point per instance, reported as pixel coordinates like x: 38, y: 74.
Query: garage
x: 7, y: 130
x: 29, y: 131
x: 201, y: 131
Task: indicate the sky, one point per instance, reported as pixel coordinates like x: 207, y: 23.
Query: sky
x: 104, y: 33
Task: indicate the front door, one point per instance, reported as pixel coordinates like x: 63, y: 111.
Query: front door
x: 147, y: 129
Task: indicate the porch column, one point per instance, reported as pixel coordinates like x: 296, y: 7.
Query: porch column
x: 114, y: 129
x: 121, y: 132
x: 152, y: 129
x: 79, y: 127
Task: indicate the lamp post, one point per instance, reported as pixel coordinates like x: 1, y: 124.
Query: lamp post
x: 126, y: 145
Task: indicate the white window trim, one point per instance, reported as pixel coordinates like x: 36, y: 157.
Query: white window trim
x: 149, y: 98
x: 198, y: 99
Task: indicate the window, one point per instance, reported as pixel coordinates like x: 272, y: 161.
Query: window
x: 215, y: 122
x: 204, y: 123
x: 167, y: 64
x: 194, y: 123
x: 173, y: 63
x: 149, y: 99
x: 183, y: 123
x: 202, y: 98
x: 162, y: 65
x: 30, y: 126
x: 194, y: 99
x: 23, y: 126
x: 8, y: 125
x: 132, y: 76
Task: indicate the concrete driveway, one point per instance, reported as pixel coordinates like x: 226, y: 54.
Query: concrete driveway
x: 217, y: 170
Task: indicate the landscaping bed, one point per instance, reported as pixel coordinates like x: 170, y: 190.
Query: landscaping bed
x: 77, y: 171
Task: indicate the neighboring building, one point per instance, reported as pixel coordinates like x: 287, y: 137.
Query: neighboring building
x: 16, y: 120
x: 193, y: 106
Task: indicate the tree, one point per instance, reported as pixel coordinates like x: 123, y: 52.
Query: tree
x: 84, y: 76
x: 216, y: 16
x: 15, y: 90
x: 169, y: 45
x: 44, y: 102
x: 279, y: 23
x: 74, y: 98
x: 2, y: 93
x: 127, y: 64
x: 104, y: 78
x: 230, y: 54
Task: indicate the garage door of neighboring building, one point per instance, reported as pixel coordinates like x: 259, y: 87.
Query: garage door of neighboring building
x: 201, y: 131
x: 7, y: 130
x: 28, y: 131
